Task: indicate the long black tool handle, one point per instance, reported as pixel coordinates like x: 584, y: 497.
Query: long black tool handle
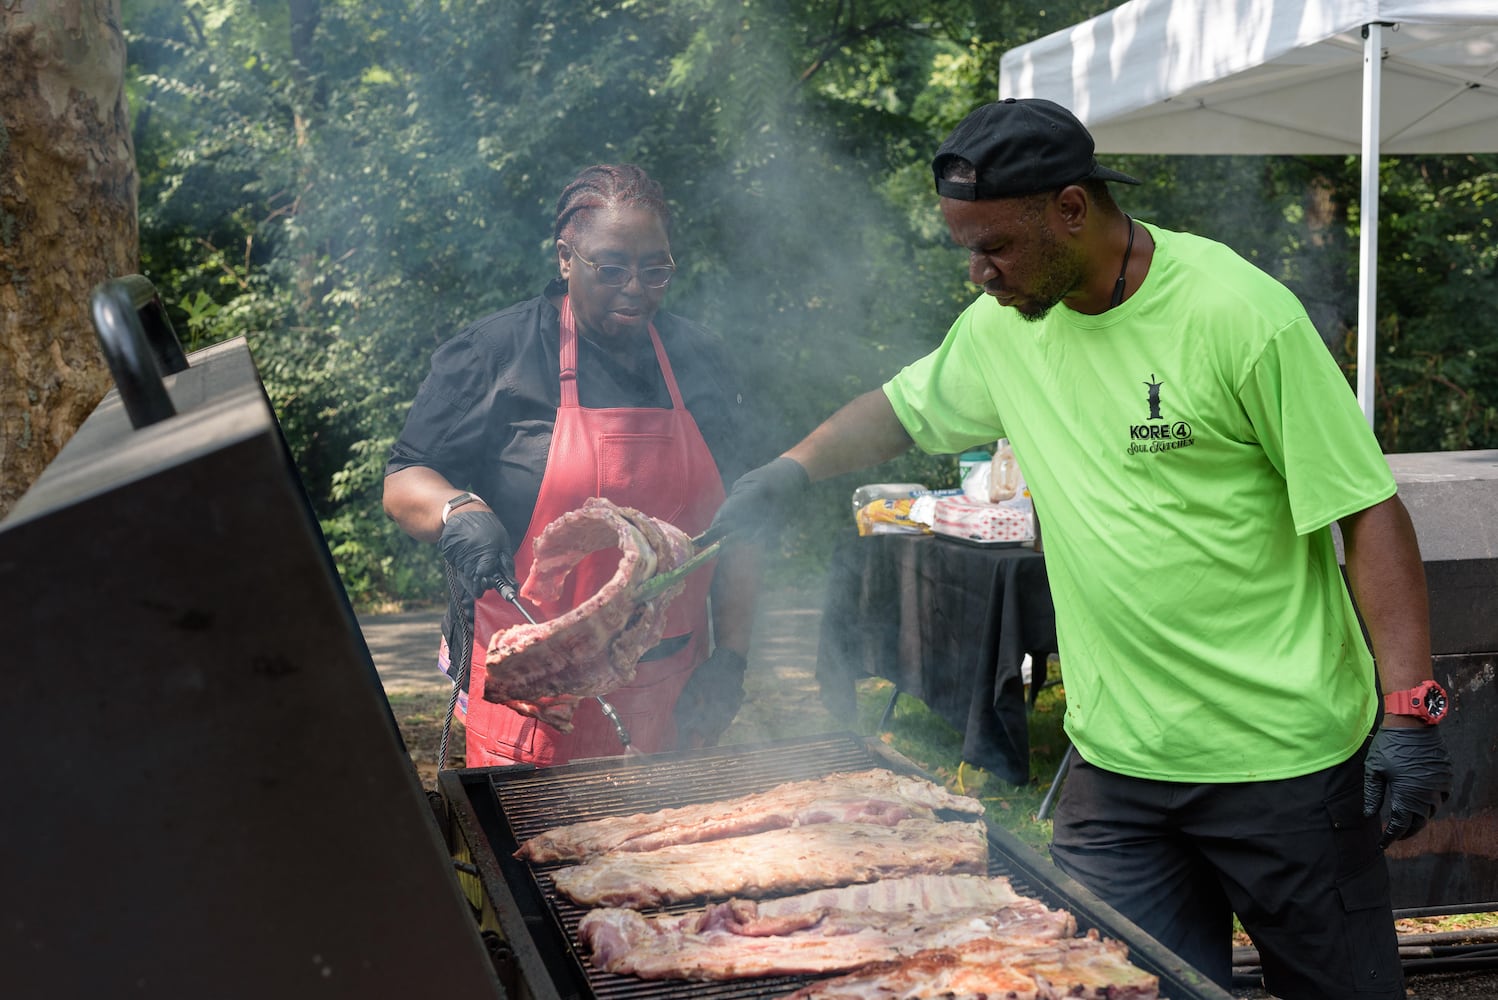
x: 136, y: 359
x: 712, y: 536
x: 507, y: 591
x: 459, y: 659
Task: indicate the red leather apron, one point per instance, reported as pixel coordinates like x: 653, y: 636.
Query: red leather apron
x: 655, y: 461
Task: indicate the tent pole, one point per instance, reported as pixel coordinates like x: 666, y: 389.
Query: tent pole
x: 1368, y: 216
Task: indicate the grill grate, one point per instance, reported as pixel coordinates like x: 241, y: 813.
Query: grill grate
x: 539, y: 800
x: 535, y: 801
x: 526, y: 801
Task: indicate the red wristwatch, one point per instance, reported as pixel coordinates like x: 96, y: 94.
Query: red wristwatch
x: 1426, y: 701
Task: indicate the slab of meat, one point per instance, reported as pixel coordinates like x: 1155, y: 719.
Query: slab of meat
x: 544, y: 670
x: 986, y: 969
x: 776, y: 861
x: 1084, y: 968
x: 874, y: 796
x: 938, y: 973
x: 828, y: 930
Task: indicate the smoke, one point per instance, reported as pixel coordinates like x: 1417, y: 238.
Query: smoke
x: 1286, y: 216
x: 352, y: 193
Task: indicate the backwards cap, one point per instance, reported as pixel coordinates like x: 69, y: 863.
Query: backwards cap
x: 1020, y: 147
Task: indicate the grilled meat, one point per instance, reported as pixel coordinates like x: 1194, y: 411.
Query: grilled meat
x: 876, y: 796
x: 543, y: 670
x: 776, y: 861
x: 827, y: 930
x: 1084, y: 968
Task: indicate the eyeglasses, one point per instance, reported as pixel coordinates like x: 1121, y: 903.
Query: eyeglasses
x: 617, y: 276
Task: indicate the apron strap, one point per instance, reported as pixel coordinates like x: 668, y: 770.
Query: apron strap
x: 665, y: 363
x: 569, y: 359
x: 569, y: 354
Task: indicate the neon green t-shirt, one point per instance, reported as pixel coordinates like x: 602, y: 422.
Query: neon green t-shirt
x: 1187, y: 452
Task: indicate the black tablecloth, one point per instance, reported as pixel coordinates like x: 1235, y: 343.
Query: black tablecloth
x: 948, y: 622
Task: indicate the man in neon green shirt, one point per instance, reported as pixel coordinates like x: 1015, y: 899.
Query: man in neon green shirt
x: 1188, y: 441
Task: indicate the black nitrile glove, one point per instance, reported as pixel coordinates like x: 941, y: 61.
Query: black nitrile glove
x: 476, y: 545
x: 761, y: 498
x: 710, y: 700
x: 1412, y: 765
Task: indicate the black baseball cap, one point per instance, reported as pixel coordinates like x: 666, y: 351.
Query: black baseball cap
x: 1020, y: 147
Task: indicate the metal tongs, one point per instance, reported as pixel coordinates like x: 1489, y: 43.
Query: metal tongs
x: 705, y: 547
x: 506, y: 590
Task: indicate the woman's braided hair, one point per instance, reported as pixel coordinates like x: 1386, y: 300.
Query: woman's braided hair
x: 605, y: 185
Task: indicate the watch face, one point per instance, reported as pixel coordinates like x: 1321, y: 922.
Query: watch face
x: 1426, y: 701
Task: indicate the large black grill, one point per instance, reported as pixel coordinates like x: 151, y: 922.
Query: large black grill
x: 495, y: 809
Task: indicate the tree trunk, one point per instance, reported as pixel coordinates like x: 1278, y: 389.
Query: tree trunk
x: 67, y: 219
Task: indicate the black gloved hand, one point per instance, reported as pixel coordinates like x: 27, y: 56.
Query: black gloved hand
x: 477, y: 546
x: 1412, y: 765
x: 710, y: 700
x: 761, y: 498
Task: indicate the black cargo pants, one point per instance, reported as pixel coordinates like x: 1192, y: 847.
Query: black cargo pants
x: 1294, y: 858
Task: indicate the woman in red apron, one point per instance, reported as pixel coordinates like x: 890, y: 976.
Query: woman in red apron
x: 479, y: 421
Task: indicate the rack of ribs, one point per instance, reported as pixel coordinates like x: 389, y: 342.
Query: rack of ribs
x: 776, y: 861
x: 827, y: 930
x: 876, y: 796
x: 989, y: 968
x: 545, y: 669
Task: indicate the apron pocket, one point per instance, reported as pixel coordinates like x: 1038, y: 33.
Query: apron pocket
x: 637, y: 470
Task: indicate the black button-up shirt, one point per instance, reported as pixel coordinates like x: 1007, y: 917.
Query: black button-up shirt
x: 484, y: 415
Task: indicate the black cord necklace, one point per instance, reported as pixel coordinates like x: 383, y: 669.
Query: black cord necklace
x: 1118, y: 287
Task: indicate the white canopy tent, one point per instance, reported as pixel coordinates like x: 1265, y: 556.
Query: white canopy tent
x: 1369, y: 77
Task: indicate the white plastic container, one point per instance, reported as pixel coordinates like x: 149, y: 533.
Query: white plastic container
x: 970, y: 460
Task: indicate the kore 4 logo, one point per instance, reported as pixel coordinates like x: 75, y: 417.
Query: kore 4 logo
x: 1158, y: 434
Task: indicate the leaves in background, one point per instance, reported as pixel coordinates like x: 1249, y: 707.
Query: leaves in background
x: 347, y: 183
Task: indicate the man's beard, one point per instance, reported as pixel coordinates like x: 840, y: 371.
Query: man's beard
x: 1035, y: 312
x: 1059, y: 272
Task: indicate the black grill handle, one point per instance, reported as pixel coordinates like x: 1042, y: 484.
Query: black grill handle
x: 139, y: 346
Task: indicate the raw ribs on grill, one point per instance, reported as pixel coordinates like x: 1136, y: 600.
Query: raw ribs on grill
x: 874, y: 796
x: 544, y: 670
x: 826, y: 930
x: 989, y: 968
x: 775, y: 861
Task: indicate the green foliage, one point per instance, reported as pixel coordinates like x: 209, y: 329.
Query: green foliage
x: 346, y: 183
x: 1438, y: 358
x: 1297, y: 218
